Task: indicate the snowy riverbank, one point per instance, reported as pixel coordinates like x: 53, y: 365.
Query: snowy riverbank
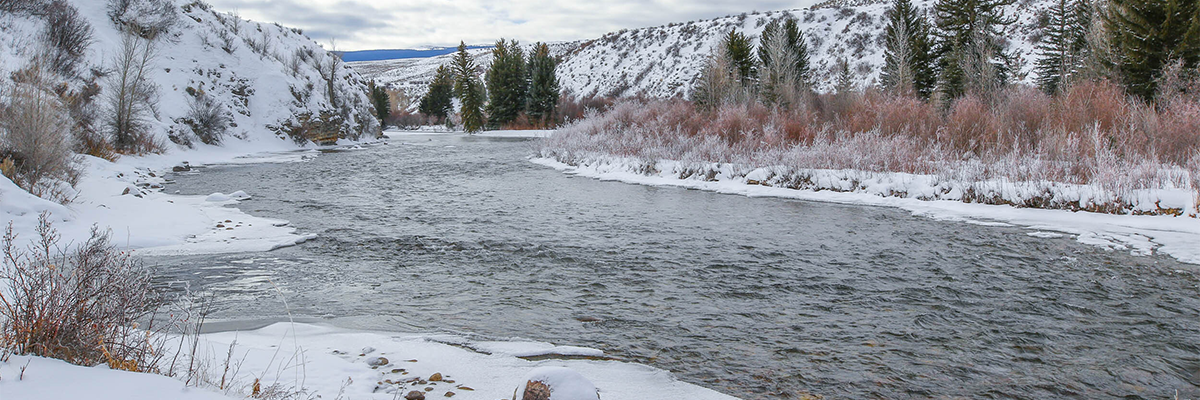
x: 336, y: 363
x: 127, y: 197
x: 1178, y: 237
x: 320, y: 360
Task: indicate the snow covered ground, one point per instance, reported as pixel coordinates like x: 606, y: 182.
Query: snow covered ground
x: 500, y: 134
x: 323, y: 361
x: 1178, y: 237
x: 335, y: 363
x: 127, y: 197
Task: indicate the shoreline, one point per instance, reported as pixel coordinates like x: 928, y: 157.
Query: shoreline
x: 1139, y: 234
x: 150, y: 222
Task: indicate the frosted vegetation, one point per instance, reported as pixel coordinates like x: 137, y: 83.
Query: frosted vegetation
x: 1085, y: 150
x: 949, y: 112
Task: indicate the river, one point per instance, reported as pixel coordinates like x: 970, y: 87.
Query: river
x: 754, y: 297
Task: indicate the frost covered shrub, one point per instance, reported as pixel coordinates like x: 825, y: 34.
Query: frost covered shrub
x: 207, y: 119
x: 21, y: 6
x: 1093, y: 134
x: 145, y: 18
x: 77, y: 303
x: 68, y: 36
x: 970, y: 127
x: 34, y: 138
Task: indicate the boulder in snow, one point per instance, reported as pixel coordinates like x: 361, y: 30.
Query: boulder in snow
x: 555, y: 383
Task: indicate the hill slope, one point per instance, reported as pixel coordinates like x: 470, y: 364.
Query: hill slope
x: 261, y: 75
x: 664, y: 61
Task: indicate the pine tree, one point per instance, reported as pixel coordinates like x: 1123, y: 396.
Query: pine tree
x: 783, y: 56
x: 793, y: 42
x: 507, y: 84
x: 381, y: 102
x: 739, y: 50
x: 1064, y: 43
x: 1147, y: 35
x: 844, y: 82
x: 969, y: 45
x: 469, y: 90
x: 543, y: 85
x: 908, y: 60
x: 439, y: 101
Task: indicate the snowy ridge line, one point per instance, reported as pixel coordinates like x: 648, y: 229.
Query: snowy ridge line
x: 922, y: 195
x: 665, y: 61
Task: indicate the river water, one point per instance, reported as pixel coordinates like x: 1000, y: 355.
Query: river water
x: 754, y: 297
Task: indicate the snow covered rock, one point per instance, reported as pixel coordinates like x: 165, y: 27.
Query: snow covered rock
x: 555, y: 383
x: 220, y: 197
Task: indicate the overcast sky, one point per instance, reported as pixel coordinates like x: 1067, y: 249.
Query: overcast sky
x: 391, y: 24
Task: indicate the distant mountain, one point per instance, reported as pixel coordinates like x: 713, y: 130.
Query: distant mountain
x: 664, y: 61
x: 400, y: 54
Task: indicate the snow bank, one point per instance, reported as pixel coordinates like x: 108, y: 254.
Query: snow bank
x: 329, y: 362
x: 498, y: 134
x: 45, y: 378
x: 1178, y: 237
x: 333, y: 361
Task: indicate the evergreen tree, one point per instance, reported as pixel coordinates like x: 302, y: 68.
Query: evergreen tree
x: 969, y: 45
x: 1147, y: 35
x: 438, y: 102
x: 1064, y: 44
x: 739, y: 50
x: 543, y: 84
x: 783, y: 57
x: 793, y: 43
x: 844, y: 82
x: 507, y: 84
x: 379, y: 99
x: 469, y: 90
x: 908, y: 60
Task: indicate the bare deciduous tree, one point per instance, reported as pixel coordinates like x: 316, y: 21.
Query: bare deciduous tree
x: 132, y: 97
x: 34, y: 137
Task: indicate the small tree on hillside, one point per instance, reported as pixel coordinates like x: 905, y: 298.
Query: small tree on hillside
x: 469, y: 90
x: 543, y: 85
x: 132, y: 97
x: 908, y: 63
x: 438, y: 102
x: 844, y: 78
x: 381, y: 102
x: 506, y: 83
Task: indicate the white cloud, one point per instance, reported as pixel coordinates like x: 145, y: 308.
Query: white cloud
x: 384, y: 24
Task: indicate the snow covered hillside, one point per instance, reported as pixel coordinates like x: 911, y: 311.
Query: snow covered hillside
x: 261, y: 75
x: 664, y: 61
x: 271, y: 86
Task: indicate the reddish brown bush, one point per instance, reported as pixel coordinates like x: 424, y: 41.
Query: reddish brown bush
x: 79, y: 303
